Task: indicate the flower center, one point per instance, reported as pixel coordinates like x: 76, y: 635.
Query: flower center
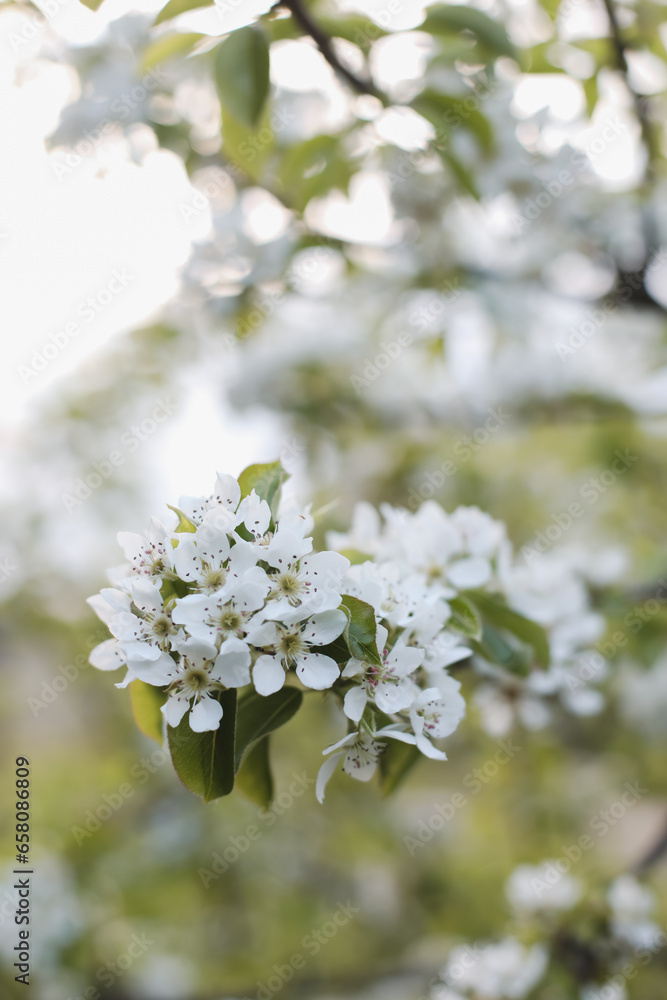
x: 197, y: 679
x: 374, y: 675
x: 364, y: 751
x: 431, y: 716
x: 213, y: 578
x: 161, y: 626
x: 229, y: 620
x: 290, y: 586
x: 291, y: 645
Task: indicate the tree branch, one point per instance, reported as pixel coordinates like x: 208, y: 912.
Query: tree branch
x: 620, y: 51
x: 653, y: 855
x: 310, y: 27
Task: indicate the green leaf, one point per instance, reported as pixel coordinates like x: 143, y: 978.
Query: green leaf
x: 537, y: 59
x: 173, y: 589
x: 248, y: 150
x: 447, y: 112
x: 503, y: 617
x: 167, y: 47
x: 494, y: 648
x: 184, y: 523
x: 395, y: 764
x: 445, y: 19
x: 313, y: 168
x: 361, y: 629
x: 266, y: 480
x: 205, y: 761
x: 92, y: 4
x: 465, y: 618
x: 461, y: 172
x: 359, y: 30
x: 591, y: 91
x: 147, y: 700
x: 254, y: 777
x: 257, y: 716
x: 242, y: 74
x: 176, y: 7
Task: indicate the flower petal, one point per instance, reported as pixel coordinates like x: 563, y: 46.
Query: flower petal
x: 205, y: 715
x: 107, y: 656
x: 158, y: 672
x: 317, y: 671
x: 268, y: 675
x: 325, y: 773
x: 174, y: 709
x: 467, y: 573
x: 323, y: 628
x: 232, y: 668
x: 355, y: 703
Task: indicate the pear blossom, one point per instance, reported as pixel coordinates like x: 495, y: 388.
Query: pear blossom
x: 506, y: 969
x: 224, y: 499
x: 223, y: 616
x: 148, y: 629
x: 531, y: 888
x: 191, y: 684
x: 388, y: 685
x: 435, y: 713
x: 290, y: 646
x: 360, y: 752
x: 150, y: 555
x: 301, y: 586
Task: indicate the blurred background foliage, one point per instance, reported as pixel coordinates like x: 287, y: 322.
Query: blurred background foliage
x: 389, y: 243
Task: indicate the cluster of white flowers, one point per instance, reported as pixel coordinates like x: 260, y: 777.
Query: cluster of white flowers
x: 416, y: 564
x: 224, y: 602
x: 505, y: 969
x: 225, y: 598
x: 551, y: 590
x: 419, y: 561
x: 509, y: 970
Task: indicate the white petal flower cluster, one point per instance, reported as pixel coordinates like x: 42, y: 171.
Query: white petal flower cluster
x: 220, y: 601
x: 417, y: 562
x: 543, y: 898
x: 506, y: 970
x: 224, y: 597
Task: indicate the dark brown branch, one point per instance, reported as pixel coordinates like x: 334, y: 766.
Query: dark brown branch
x: 310, y: 27
x: 653, y: 855
x: 620, y: 51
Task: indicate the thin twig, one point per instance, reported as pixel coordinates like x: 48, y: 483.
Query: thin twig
x: 310, y: 27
